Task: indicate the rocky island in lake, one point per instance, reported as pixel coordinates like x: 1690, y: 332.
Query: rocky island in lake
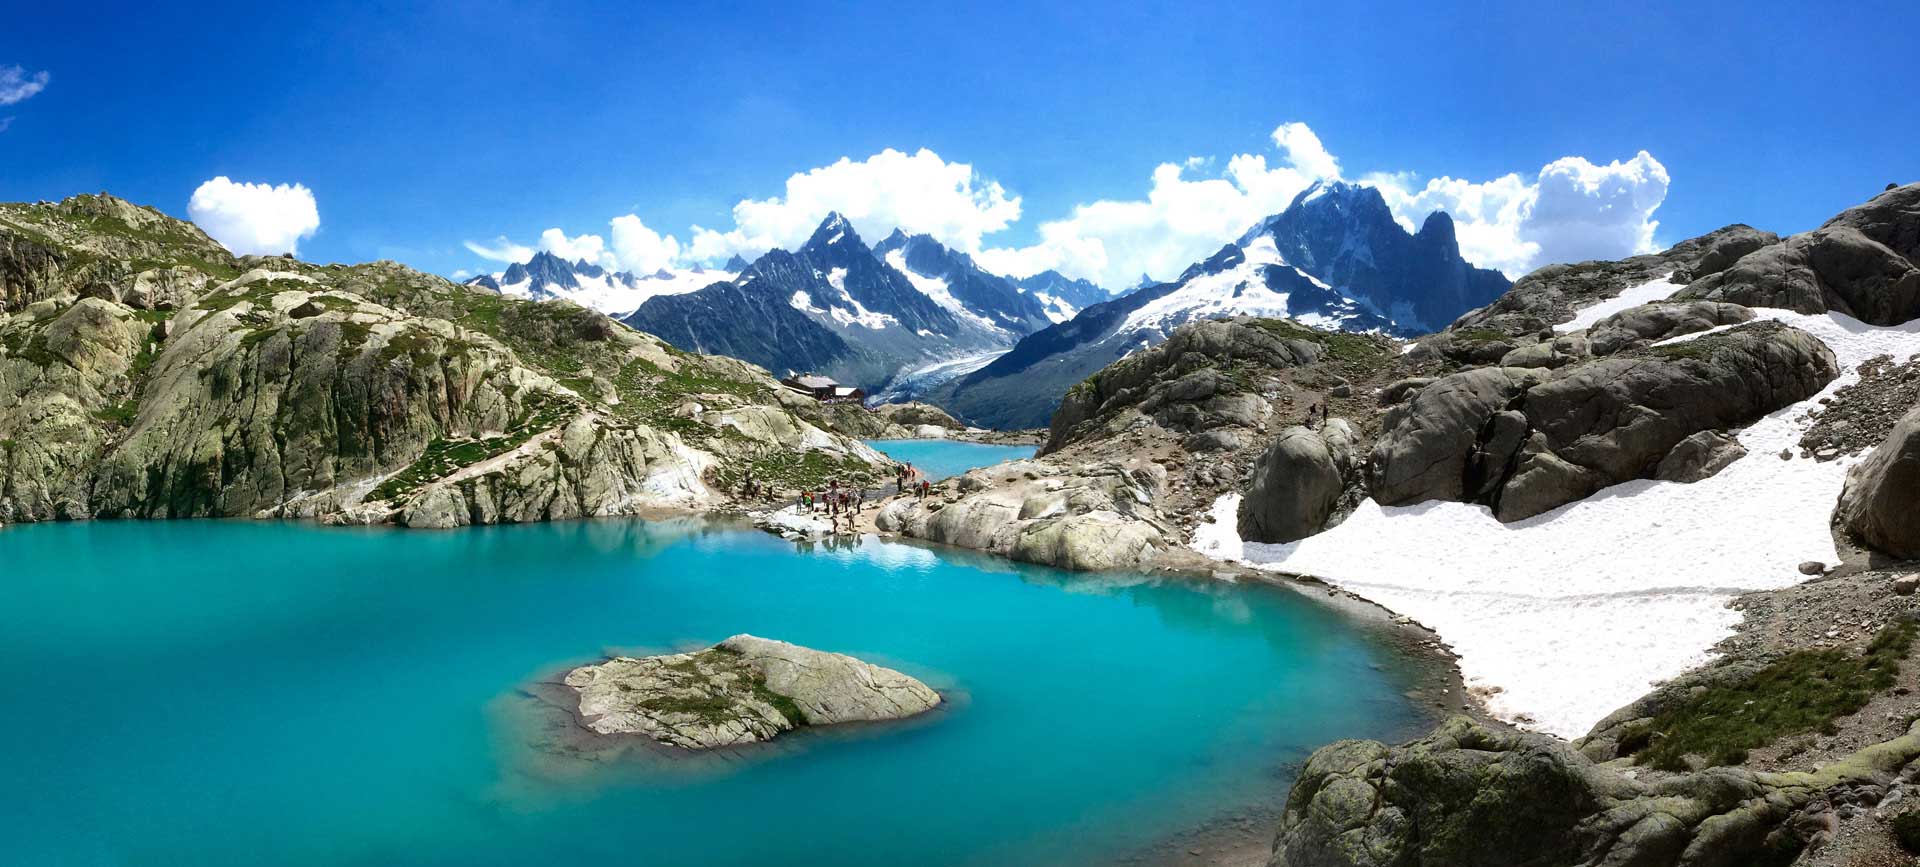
x: 741, y: 691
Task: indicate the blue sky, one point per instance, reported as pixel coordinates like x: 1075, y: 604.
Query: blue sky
x: 423, y: 127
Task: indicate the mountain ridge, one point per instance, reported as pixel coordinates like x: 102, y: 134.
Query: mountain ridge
x: 1290, y: 265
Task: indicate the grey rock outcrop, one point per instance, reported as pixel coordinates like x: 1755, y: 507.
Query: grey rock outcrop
x: 1550, y: 354
x: 1528, y: 441
x: 1469, y: 796
x: 1431, y: 446
x: 1183, y: 383
x: 743, y: 690
x: 1880, y: 505
x: 1550, y: 295
x: 1865, y: 262
x: 1650, y: 323
x: 1300, y: 483
x: 1091, y: 517
x: 147, y: 373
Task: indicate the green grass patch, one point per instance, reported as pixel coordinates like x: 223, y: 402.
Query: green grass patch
x: 1341, y: 346
x: 1802, y: 691
x: 710, y: 707
x: 256, y: 337
x: 795, y: 470
x: 31, y: 346
x: 122, y: 413
x: 1481, y: 336
x: 786, y: 706
x: 443, y: 457
x: 1705, y: 348
x: 258, y: 294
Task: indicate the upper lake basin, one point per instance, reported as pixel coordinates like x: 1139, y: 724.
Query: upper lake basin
x: 940, y: 459
x: 228, y: 692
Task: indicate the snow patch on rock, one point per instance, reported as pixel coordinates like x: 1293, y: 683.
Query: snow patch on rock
x: 1632, y: 296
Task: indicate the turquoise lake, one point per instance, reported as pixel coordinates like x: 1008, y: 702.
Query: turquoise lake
x: 942, y: 458
x: 237, y: 692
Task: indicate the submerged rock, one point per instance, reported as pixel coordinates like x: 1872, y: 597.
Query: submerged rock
x: 743, y: 690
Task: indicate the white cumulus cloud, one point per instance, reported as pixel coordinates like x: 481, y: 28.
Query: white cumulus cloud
x: 1571, y: 211
x: 250, y: 218
x: 16, y: 85
x: 917, y: 192
x: 634, y: 247
x: 592, y: 248
x: 1304, y: 150
x: 1185, y: 217
x: 640, y: 249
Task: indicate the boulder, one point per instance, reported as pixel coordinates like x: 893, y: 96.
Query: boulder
x: 1429, y: 445
x: 1402, y: 389
x: 1525, y: 442
x: 742, y: 690
x: 1698, y: 457
x: 1880, y: 504
x: 1299, y: 482
x: 1093, y: 541
x: 1096, y: 517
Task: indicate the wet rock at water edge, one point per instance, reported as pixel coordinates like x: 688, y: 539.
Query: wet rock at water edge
x: 743, y: 690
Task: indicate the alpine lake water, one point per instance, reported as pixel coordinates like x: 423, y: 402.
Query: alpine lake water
x: 940, y: 459
x: 251, y: 692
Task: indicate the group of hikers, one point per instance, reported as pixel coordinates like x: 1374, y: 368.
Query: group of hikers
x: 836, y: 500
x: 905, y: 473
x: 842, y: 502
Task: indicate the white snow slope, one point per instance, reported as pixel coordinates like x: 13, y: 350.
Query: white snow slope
x: 1565, y: 617
x: 1239, y: 290
x: 1645, y: 293
x: 936, y: 288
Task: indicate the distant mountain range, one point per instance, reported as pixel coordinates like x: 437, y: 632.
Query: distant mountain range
x: 615, y: 293
x: 1334, y: 259
x: 910, y: 318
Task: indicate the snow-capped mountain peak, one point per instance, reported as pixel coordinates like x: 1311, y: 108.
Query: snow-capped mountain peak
x: 1061, y: 296
x: 834, y: 231
x: 1345, y: 234
x: 1251, y: 280
x: 956, y: 283
x: 1334, y: 259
